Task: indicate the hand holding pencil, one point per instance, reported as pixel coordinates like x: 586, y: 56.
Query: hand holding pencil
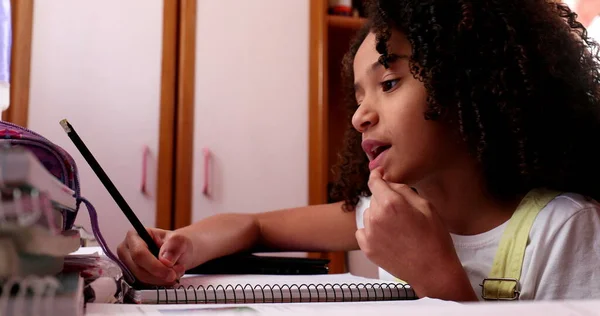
x: 141, y: 232
x: 175, y: 256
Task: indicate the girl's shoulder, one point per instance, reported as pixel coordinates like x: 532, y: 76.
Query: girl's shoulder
x: 562, y: 262
x: 566, y: 212
x: 570, y: 204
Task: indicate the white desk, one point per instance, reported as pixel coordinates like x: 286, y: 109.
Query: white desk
x: 409, y: 308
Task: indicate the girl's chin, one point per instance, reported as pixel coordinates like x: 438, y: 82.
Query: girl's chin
x: 390, y: 176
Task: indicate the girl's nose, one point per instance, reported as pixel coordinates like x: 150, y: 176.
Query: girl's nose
x: 364, y: 117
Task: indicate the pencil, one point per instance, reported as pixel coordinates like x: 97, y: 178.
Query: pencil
x: 108, y: 184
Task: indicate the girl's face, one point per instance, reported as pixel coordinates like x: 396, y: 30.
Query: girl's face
x: 390, y: 117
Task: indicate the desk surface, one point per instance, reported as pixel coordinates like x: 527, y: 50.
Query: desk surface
x: 419, y: 307
x: 425, y: 306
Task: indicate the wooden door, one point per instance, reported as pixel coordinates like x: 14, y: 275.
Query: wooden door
x: 329, y: 41
x: 22, y: 25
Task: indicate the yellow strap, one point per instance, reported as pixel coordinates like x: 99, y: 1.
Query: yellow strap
x: 503, y: 281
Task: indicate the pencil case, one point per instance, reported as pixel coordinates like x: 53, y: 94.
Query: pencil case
x: 62, y: 166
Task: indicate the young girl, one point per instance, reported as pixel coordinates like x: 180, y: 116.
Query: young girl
x: 461, y: 109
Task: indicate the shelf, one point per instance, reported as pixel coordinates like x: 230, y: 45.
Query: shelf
x: 345, y: 22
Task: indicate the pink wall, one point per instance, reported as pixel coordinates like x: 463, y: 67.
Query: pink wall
x: 90, y: 60
x: 251, y: 105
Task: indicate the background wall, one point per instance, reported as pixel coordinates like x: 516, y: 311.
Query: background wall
x: 251, y: 105
x: 98, y: 64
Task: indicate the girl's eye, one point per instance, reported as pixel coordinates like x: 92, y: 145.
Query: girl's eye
x: 389, y: 84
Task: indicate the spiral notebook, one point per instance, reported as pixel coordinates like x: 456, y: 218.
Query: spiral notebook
x: 231, y: 289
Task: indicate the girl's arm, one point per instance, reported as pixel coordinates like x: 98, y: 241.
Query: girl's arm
x: 312, y: 228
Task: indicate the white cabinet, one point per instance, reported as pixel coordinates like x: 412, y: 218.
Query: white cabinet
x: 98, y: 64
x: 251, y: 105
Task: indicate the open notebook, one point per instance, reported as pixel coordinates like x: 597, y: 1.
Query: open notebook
x: 225, y: 289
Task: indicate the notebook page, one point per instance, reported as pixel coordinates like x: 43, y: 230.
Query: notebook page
x: 260, y: 279
x: 275, y: 289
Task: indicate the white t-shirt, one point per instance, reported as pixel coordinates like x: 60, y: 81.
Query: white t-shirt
x: 562, y: 257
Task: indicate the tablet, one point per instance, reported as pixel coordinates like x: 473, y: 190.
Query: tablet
x: 253, y: 264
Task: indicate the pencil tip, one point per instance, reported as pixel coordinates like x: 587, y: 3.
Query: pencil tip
x: 65, y: 125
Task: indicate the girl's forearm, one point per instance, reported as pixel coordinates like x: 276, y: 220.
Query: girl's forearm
x: 221, y: 235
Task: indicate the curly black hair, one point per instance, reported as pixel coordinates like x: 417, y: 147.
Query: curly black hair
x: 519, y: 78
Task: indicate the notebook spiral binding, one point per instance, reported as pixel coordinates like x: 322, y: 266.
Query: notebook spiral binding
x: 34, y: 295
x: 294, y: 293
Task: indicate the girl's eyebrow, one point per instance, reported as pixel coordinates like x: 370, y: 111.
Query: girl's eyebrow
x: 390, y: 58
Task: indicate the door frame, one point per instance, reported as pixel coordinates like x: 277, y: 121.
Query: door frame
x: 318, y: 138
x: 20, y: 62
x: 175, y: 158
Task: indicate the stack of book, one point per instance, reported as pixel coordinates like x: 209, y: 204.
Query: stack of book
x: 34, y: 240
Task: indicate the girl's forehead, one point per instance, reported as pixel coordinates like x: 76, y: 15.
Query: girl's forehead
x: 367, y: 47
x: 365, y: 57
x: 367, y: 54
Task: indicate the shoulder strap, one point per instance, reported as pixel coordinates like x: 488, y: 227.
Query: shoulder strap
x: 503, y: 281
